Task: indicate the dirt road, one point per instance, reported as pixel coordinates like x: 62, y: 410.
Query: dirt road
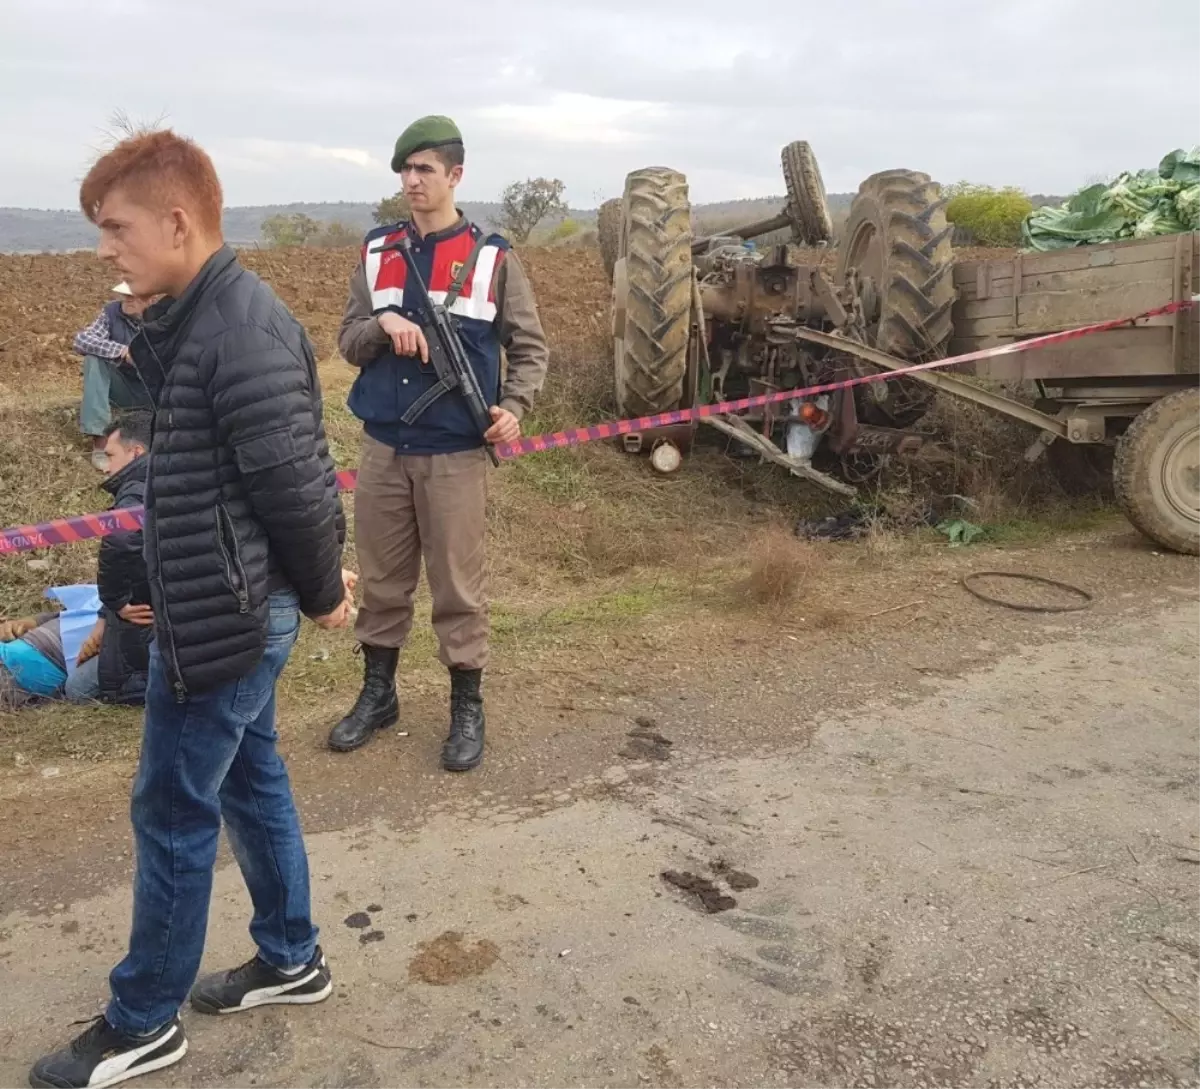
x: 979, y: 875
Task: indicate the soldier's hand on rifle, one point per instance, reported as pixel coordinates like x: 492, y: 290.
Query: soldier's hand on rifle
x: 505, y: 427
x: 407, y: 337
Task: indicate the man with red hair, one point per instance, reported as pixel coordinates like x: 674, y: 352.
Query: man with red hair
x: 243, y: 533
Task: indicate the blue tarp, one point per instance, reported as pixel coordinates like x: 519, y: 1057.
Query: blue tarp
x: 81, y: 610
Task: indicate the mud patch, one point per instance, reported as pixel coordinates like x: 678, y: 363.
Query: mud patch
x: 646, y: 743
x: 738, y: 880
x: 711, y: 898
x: 360, y: 920
x: 447, y: 960
x: 369, y: 936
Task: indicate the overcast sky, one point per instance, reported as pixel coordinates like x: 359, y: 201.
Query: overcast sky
x: 301, y: 101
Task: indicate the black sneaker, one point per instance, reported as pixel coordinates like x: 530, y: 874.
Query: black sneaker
x: 256, y: 983
x: 103, y: 1056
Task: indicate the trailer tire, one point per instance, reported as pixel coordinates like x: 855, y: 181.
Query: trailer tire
x: 807, y: 206
x: 656, y: 246
x: 898, y: 235
x: 608, y: 234
x: 1156, y: 473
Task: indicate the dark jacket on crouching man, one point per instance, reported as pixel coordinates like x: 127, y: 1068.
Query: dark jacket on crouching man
x: 121, y: 580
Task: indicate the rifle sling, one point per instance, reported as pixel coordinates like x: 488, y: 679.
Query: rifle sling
x: 426, y: 399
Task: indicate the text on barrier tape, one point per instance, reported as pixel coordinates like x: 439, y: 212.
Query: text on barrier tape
x: 84, y: 527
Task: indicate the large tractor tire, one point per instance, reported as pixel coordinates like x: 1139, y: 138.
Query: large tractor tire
x: 652, y: 293
x: 1156, y: 473
x: 608, y: 233
x: 807, y: 207
x: 898, y: 237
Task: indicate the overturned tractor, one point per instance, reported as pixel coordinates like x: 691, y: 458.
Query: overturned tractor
x: 704, y: 319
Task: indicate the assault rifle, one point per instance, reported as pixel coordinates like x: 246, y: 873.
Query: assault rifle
x: 446, y: 351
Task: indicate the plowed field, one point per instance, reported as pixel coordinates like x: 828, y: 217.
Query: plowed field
x: 46, y: 298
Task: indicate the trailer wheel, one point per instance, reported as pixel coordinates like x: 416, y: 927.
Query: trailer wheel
x: 897, y: 236
x: 608, y: 234
x: 653, y: 292
x: 807, y: 207
x: 1156, y: 474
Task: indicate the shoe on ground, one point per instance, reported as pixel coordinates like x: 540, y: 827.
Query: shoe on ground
x: 102, y: 1056
x: 463, y: 749
x: 377, y: 706
x: 256, y: 983
x: 100, y: 461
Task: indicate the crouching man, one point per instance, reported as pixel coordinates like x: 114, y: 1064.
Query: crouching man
x: 111, y: 665
x: 244, y: 533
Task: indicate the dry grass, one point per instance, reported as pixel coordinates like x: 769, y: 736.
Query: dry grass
x: 584, y: 542
x: 986, y: 464
x: 780, y: 568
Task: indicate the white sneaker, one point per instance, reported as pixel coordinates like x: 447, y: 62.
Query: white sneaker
x: 100, y: 461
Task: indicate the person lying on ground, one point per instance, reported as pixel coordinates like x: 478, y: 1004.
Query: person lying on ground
x: 109, y: 378
x: 113, y: 663
x: 33, y: 662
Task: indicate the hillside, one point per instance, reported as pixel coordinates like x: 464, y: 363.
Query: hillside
x: 34, y: 230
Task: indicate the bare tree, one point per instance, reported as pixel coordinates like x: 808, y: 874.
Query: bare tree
x: 523, y: 205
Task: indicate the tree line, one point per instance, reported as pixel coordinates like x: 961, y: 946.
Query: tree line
x: 523, y: 205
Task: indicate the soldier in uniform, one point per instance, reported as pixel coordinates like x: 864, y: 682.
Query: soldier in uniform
x: 422, y: 481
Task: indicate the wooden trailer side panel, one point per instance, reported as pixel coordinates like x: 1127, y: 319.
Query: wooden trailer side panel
x: 1030, y: 294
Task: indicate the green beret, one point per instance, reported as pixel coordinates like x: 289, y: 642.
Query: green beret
x: 423, y: 135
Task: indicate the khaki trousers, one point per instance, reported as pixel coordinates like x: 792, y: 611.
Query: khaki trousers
x: 409, y: 507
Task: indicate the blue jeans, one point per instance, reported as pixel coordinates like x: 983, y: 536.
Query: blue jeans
x: 209, y: 758
x: 83, y: 686
x: 106, y: 384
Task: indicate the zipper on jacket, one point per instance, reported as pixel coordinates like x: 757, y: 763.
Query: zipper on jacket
x: 233, y: 564
x: 172, y: 658
x: 168, y: 645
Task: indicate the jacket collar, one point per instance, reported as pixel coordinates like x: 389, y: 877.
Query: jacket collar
x: 168, y: 317
x: 133, y: 473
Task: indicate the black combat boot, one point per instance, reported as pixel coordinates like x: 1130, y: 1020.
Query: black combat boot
x: 463, y: 749
x: 377, y: 705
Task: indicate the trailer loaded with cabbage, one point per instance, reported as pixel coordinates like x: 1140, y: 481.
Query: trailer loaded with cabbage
x: 704, y: 319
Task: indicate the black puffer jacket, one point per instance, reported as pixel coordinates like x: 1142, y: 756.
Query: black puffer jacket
x: 121, y: 580
x: 241, y: 497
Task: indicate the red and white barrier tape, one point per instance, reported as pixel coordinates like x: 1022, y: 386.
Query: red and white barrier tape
x: 86, y: 526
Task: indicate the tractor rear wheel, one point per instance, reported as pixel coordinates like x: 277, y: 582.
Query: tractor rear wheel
x: 652, y: 293
x: 898, y: 238
x: 608, y: 234
x: 807, y: 207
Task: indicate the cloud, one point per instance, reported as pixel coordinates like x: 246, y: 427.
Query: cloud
x: 573, y: 118
x: 269, y: 155
x: 304, y: 101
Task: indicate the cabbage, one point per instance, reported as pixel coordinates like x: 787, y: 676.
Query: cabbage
x: 1187, y: 207
x: 1139, y: 204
